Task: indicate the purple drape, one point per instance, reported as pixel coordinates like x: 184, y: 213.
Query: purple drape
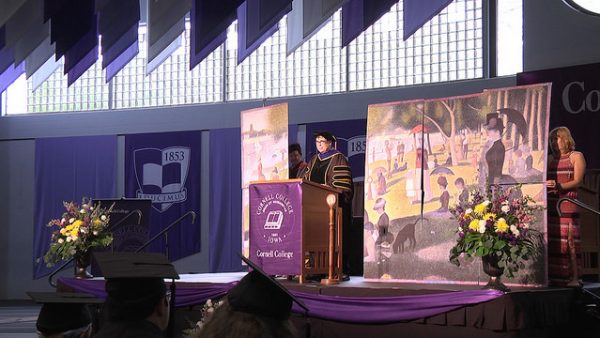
x: 209, y: 22
x: 10, y: 75
x: 368, y: 310
x: 118, y: 22
x: 69, y: 24
x: 254, y: 26
x: 418, y: 12
x: 165, y: 24
x: 67, y: 169
x: 358, y: 15
x: 225, y: 232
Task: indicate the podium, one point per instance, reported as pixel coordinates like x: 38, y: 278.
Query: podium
x: 289, y: 228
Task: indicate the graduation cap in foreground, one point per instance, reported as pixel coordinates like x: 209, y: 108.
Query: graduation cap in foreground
x: 63, y: 311
x: 135, y: 283
x: 260, y: 294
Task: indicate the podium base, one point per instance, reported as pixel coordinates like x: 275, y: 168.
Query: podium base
x: 330, y: 281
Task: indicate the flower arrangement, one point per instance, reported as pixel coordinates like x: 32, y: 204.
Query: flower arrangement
x: 207, y: 310
x: 498, y: 224
x: 80, y: 229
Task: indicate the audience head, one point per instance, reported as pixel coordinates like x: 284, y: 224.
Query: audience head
x: 258, y: 306
x: 64, y: 314
x: 135, y: 286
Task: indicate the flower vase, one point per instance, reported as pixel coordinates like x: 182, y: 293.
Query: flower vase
x: 491, y: 268
x: 82, y: 262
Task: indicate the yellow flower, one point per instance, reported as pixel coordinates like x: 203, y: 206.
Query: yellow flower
x: 474, y: 225
x: 480, y: 208
x: 501, y: 225
x: 489, y: 216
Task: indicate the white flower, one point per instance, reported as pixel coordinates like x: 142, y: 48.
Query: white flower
x: 71, y: 220
x: 468, y: 211
x: 505, y: 208
x: 103, y: 218
x: 482, y: 224
x: 460, y: 229
x: 69, y: 239
x: 62, y: 221
x: 514, y: 230
x: 486, y: 202
x: 91, y: 208
x: 82, y: 211
x: 95, y: 233
x: 61, y: 241
x: 83, y: 230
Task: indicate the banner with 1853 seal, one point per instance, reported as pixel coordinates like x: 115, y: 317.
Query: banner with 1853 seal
x: 165, y: 168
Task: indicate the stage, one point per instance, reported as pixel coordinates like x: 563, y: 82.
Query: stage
x: 360, y: 308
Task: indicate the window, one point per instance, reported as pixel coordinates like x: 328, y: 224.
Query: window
x: 449, y: 47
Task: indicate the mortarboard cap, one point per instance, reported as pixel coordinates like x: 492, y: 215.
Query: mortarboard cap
x: 63, y: 311
x: 260, y: 294
x: 134, y: 282
x: 326, y: 135
x: 135, y: 265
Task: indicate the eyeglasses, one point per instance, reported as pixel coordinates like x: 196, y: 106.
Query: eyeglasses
x: 321, y: 141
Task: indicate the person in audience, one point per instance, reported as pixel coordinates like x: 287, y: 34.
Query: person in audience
x: 257, y: 307
x: 566, y: 169
x: 137, y: 299
x: 297, y: 164
x: 65, y: 314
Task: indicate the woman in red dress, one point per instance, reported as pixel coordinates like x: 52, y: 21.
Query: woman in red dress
x: 566, y: 168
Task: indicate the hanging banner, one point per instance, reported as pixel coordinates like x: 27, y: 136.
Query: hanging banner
x: 264, y: 133
x: 165, y: 168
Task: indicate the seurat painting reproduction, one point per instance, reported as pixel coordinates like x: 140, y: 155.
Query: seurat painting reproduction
x: 425, y: 157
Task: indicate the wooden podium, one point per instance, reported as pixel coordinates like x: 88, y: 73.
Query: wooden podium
x: 289, y: 228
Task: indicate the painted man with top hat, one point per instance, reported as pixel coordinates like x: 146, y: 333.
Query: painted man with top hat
x: 493, y: 151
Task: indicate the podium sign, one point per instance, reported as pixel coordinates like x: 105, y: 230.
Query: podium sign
x: 276, y: 226
x: 289, y: 228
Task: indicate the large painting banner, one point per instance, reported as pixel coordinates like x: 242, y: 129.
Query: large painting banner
x: 426, y: 156
x: 165, y: 168
x: 264, y: 152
